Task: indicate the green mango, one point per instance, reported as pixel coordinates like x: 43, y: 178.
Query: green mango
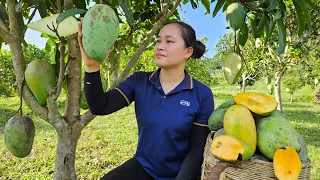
x: 100, y: 29
x: 274, y: 132
x: 19, y: 135
x: 40, y: 77
x: 215, y: 121
x: 235, y: 15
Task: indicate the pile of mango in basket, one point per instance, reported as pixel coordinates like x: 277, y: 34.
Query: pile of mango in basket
x: 249, y: 126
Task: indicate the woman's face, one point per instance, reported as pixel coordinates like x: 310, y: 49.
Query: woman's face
x: 170, y: 50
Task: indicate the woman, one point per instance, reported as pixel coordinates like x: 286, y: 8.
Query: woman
x: 172, y: 109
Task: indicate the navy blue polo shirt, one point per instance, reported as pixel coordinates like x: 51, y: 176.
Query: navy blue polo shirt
x: 165, y: 120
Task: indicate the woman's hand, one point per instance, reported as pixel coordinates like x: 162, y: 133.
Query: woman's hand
x: 91, y: 65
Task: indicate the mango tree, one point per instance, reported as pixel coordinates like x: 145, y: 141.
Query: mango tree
x: 261, y: 18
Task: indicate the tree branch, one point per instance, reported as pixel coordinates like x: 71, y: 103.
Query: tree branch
x: 85, y: 119
x: 62, y: 69
x: 146, y: 40
x: 5, y: 32
x: 18, y: 61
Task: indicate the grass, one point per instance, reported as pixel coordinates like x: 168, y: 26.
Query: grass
x: 110, y: 140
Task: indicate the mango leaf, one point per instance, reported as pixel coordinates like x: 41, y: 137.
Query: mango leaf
x: 206, y: 4
x: 81, y: 4
x: 49, y: 45
x: 305, y: 11
x: 185, y: 1
x: 243, y: 34
x: 301, y: 19
x: 225, y: 6
x: 278, y: 15
x: 267, y: 30
x: 69, y: 13
x: 42, y: 8
x: 311, y: 4
x: 273, y: 5
x: 218, y: 7
x: 282, y: 7
x: 125, y: 6
x: 254, y: 28
x: 262, y: 22
x: 282, y: 36
x: 193, y: 4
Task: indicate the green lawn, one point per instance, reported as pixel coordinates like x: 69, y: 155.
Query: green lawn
x: 110, y: 140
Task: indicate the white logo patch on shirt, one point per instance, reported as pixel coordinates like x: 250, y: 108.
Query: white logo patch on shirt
x: 185, y: 103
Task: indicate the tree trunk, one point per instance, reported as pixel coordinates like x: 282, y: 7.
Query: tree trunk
x: 64, y: 168
x: 278, y: 75
x: 244, y: 84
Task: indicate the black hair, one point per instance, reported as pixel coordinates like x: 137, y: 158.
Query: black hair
x: 189, y: 36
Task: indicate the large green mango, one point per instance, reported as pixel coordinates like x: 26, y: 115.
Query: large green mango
x: 40, y: 77
x: 18, y: 135
x: 303, y: 154
x: 274, y: 132
x: 215, y: 121
x: 235, y: 15
x: 100, y: 29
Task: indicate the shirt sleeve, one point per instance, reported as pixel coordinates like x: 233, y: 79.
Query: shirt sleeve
x: 127, y: 87
x: 100, y: 102
x: 206, y: 108
x: 191, y: 166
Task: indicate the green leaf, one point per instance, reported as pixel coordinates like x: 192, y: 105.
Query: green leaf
x: 185, y: 1
x: 254, y: 28
x: 301, y: 19
x: 267, y: 30
x: 48, y: 46
x: 282, y: 36
x: 273, y: 5
x: 193, y: 4
x: 206, y: 4
x: 81, y: 4
x: 125, y: 6
x: 282, y: 6
x: 228, y: 2
x: 262, y: 22
x: 42, y: 8
x: 69, y: 13
x: 311, y: 4
x: 271, y: 26
x: 243, y: 34
x: 218, y: 7
x: 278, y: 15
x: 305, y: 11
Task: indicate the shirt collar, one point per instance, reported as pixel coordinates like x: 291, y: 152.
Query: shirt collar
x: 187, y: 82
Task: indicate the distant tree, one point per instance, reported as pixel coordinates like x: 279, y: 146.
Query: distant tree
x: 293, y: 81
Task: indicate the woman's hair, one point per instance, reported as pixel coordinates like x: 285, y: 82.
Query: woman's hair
x: 189, y: 36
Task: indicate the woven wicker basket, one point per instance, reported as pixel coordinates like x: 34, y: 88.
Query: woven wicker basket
x: 245, y: 170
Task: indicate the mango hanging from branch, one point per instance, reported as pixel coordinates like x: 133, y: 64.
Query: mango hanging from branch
x: 235, y: 15
x: 232, y: 67
x: 100, y: 29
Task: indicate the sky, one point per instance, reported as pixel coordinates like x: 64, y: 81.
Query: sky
x: 204, y: 25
